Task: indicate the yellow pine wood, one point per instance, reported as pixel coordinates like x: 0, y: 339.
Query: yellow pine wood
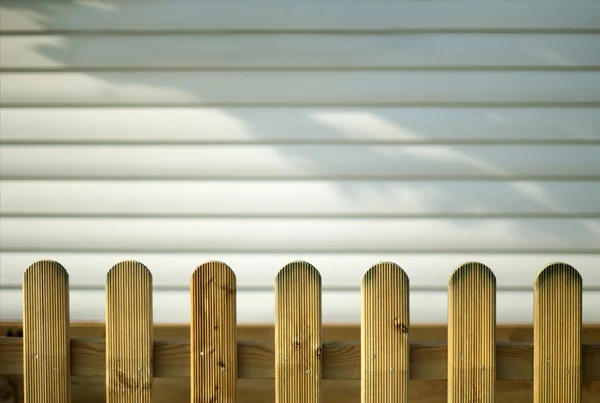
x: 472, y: 334
x: 256, y: 360
x: 129, y: 341
x: 298, y: 348
x: 384, y: 334
x: 213, y: 338
x: 557, y: 335
x: 46, y: 358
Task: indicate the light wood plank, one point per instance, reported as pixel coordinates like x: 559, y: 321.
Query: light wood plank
x: 182, y: 15
x: 471, y: 334
x: 306, y: 162
x: 343, y: 271
x: 341, y: 361
x: 129, y: 341
x: 295, y: 88
x: 91, y: 390
x: 45, y: 351
x: 557, y: 335
x: 275, y: 198
x: 70, y: 52
x: 384, y: 334
x: 419, y: 333
x: 299, y: 125
x: 298, y: 346
x: 187, y: 235
x: 214, y: 366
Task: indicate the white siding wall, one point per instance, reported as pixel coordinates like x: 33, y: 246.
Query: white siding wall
x: 344, y: 133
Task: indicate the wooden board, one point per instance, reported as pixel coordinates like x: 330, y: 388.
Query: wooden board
x: 281, y: 51
x: 557, y: 335
x: 419, y: 333
x: 340, y: 360
x: 46, y: 353
x: 177, y: 16
x: 298, y: 345
x: 213, y: 346
x: 301, y: 88
x: 283, y: 125
x: 471, y: 334
x: 91, y: 390
x: 129, y: 341
x: 385, y: 326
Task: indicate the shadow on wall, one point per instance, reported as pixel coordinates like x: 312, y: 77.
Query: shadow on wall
x: 362, y: 135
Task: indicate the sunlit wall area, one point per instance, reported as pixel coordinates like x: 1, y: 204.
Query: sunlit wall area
x: 344, y: 133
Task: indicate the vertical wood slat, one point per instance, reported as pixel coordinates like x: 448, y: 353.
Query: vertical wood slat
x: 384, y: 334
x: 213, y: 334
x: 298, y: 346
x: 46, y: 353
x: 557, y: 335
x: 472, y: 334
x: 129, y: 340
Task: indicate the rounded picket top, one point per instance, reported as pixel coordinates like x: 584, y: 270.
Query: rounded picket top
x: 298, y: 270
x: 471, y: 270
x: 129, y: 268
x: 214, y: 271
x: 46, y: 319
x: 558, y: 270
x: 387, y: 270
x: 43, y: 268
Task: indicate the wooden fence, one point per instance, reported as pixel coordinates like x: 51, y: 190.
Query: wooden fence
x: 213, y: 359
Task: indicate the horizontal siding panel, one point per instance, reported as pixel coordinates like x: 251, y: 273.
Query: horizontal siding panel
x: 184, y: 15
x: 63, y: 52
x: 280, y: 198
x: 260, y: 125
x: 259, y: 307
x: 300, y: 88
x: 338, y: 271
x: 298, y: 161
x: 299, y: 235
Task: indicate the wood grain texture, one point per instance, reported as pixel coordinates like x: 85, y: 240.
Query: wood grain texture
x: 384, y: 334
x: 557, y: 335
x: 340, y: 306
x: 91, y: 390
x: 46, y: 354
x: 298, y: 346
x: 344, y: 271
x: 129, y: 341
x: 471, y: 334
x: 341, y: 360
x: 213, y: 337
x: 419, y: 333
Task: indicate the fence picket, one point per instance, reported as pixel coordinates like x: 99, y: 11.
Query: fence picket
x: 557, y: 335
x: 472, y: 334
x: 298, y: 347
x: 46, y: 358
x: 213, y: 334
x: 129, y: 341
x: 384, y: 334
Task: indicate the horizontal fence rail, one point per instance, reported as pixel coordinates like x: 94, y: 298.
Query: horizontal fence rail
x: 298, y: 360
